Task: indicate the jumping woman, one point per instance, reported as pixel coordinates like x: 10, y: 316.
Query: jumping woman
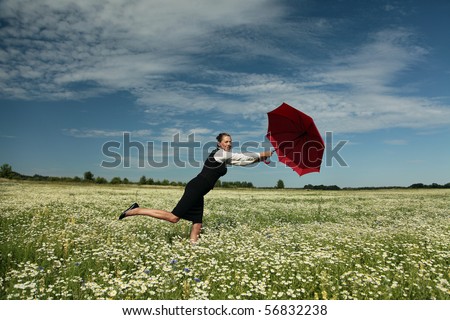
x: 190, y: 207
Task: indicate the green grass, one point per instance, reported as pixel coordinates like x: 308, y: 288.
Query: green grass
x: 63, y: 241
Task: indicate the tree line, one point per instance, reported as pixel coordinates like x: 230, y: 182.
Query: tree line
x: 219, y: 184
x: 88, y: 177
x: 413, y: 186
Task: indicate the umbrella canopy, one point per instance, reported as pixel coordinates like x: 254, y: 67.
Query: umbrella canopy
x: 296, y: 139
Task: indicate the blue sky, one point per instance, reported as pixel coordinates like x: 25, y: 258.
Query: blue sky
x: 75, y: 75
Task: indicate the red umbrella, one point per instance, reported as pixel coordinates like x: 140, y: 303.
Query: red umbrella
x: 296, y: 139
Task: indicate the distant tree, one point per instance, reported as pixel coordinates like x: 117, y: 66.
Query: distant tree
x: 435, y: 185
x: 236, y: 184
x: 116, y: 180
x: 88, y: 176
x: 101, y: 180
x: 321, y: 187
x: 143, y: 180
x: 333, y: 187
x: 280, y: 184
x: 6, y: 171
x: 38, y: 177
x: 125, y: 180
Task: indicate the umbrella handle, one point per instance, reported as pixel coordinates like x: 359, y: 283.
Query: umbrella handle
x: 267, y: 161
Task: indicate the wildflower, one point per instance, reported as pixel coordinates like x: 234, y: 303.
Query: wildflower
x: 146, y: 271
x: 173, y: 261
x: 19, y: 286
x: 186, y: 270
x: 197, y: 280
x: 77, y: 264
x: 112, y: 293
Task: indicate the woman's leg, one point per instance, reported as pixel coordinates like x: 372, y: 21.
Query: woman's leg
x: 155, y: 213
x: 195, y: 232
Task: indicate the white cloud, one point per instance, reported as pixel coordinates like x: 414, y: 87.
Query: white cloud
x: 114, y: 44
x: 178, y: 57
x: 376, y: 64
x: 358, y: 92
x: 96, y: 133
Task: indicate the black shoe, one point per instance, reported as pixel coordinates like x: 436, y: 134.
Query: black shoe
x: 124, y: 214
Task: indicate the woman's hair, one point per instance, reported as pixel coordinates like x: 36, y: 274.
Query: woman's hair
x: 221, y: 135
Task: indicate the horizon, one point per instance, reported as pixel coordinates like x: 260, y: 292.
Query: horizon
x: 230, y: 184
x: 75, y: 76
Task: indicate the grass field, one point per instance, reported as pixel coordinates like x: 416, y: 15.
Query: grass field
x: 63, y: 241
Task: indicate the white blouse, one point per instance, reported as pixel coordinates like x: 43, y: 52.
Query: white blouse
x: 236, y: 159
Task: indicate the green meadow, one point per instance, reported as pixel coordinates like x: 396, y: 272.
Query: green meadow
x: 63, y: 241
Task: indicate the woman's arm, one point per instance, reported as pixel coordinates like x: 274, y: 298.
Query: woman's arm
x: 240, y: 159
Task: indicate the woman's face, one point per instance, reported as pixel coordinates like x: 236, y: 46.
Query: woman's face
x: 226, y: 143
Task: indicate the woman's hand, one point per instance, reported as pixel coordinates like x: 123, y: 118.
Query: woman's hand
x: 266, y: 154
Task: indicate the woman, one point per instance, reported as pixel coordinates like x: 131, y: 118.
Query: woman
x: 190, y: 206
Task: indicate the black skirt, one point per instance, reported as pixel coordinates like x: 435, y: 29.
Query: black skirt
x: 190, y: 207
